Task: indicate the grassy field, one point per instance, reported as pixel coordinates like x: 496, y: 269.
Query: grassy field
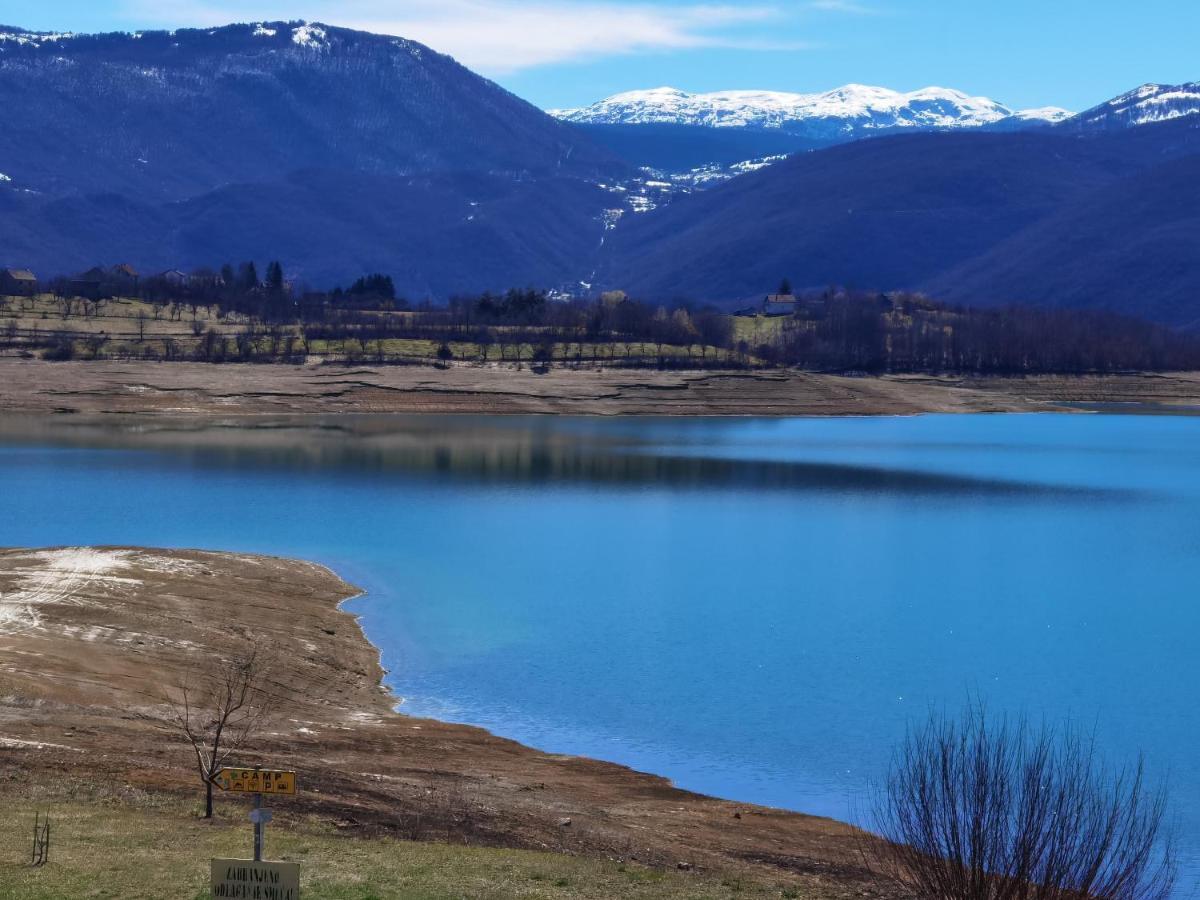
x: 135, y: 845
x: 756, y: 330
x: 129, y: 328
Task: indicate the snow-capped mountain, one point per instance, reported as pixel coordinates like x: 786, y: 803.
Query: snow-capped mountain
x: 1148, y: 104
x: 850, y: 111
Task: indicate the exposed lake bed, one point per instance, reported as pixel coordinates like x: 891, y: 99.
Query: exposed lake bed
x: 244, y: 390
x: 753, y: 608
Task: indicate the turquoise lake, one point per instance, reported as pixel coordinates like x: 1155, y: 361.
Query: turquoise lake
x: 754, y: 608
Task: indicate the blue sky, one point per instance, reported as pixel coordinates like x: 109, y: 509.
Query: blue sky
x: 1025, y: 53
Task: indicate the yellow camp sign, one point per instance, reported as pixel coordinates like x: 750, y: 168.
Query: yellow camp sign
x: 256, y: 781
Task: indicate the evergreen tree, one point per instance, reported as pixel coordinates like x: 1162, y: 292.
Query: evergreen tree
x: 248, y: 276
x: 377, y: 286
x: 275, y: 277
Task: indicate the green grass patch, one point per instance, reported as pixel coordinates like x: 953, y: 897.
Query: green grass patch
x: 755, y: 330
x: 143, y: 846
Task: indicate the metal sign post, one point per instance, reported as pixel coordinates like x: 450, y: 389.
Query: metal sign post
x: 256, y: 818
x: 260, y: 817
x: 243, y: 878
x: 257, y: 781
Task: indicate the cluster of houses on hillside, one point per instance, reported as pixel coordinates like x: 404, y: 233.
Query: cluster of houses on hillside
x: 811, y: 305
x: 97, y: 283
x: 784, y: 305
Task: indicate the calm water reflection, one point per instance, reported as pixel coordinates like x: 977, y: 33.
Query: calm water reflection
x: 754, y: 608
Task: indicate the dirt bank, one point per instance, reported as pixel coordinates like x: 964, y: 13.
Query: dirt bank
x: 199, y: 389
x: 89, y: 637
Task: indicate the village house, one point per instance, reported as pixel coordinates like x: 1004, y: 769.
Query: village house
x: 124, y: 278
x: 175, y: 278
x: 90, y: 284
x: 18, y: 283
x: 98, y: 283
x: 780, y: 305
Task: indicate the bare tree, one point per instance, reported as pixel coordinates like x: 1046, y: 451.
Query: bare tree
x: 980, y: 810
x: 219, y: 706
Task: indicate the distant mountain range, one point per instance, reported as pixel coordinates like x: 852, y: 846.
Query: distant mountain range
x: 672, y: 131
x: 342, y: 153
x: 844, y: 114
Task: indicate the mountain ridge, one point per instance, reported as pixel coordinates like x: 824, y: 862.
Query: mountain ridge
x: 1045, y: 217
x: 1144, y: 105
x: 173, y: 112
x: 848, y: 111
x: 173, y: 143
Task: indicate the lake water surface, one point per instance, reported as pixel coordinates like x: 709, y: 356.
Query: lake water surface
x: 755, y: 608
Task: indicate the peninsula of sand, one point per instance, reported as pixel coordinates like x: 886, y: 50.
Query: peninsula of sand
x: 91, y: 636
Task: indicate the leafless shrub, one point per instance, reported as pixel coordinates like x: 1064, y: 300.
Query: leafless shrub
x: 447, y: 812
x: 981, y: 810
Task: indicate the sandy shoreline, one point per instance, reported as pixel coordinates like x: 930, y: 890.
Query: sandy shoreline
x: 202, y: 390
x: 88, y: 637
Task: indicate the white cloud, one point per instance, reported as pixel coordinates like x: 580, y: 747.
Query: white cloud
x: 840, y: 6
x: 500, y: 36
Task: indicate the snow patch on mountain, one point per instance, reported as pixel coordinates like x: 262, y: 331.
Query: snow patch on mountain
x: 261, y: 30
x: 313, y: 36
x: 1050, y: 114
x: 34, y: 38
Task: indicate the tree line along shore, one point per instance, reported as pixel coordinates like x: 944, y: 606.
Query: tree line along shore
x: 231, y: 315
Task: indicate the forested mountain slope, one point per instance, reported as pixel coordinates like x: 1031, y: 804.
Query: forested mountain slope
x: 980, y: 218
x: 293, y: 141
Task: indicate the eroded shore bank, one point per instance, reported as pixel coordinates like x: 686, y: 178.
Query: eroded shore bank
x: 89, y: 637
x: 36, y: 386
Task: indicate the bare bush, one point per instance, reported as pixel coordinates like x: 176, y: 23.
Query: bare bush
x: 981, y: 810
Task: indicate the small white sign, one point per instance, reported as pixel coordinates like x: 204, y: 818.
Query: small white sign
x: 260, y: 815
x: 242, y: 879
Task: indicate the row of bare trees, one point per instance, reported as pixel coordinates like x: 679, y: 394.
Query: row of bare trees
x: 837, y: 330
x: 908, y: 333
